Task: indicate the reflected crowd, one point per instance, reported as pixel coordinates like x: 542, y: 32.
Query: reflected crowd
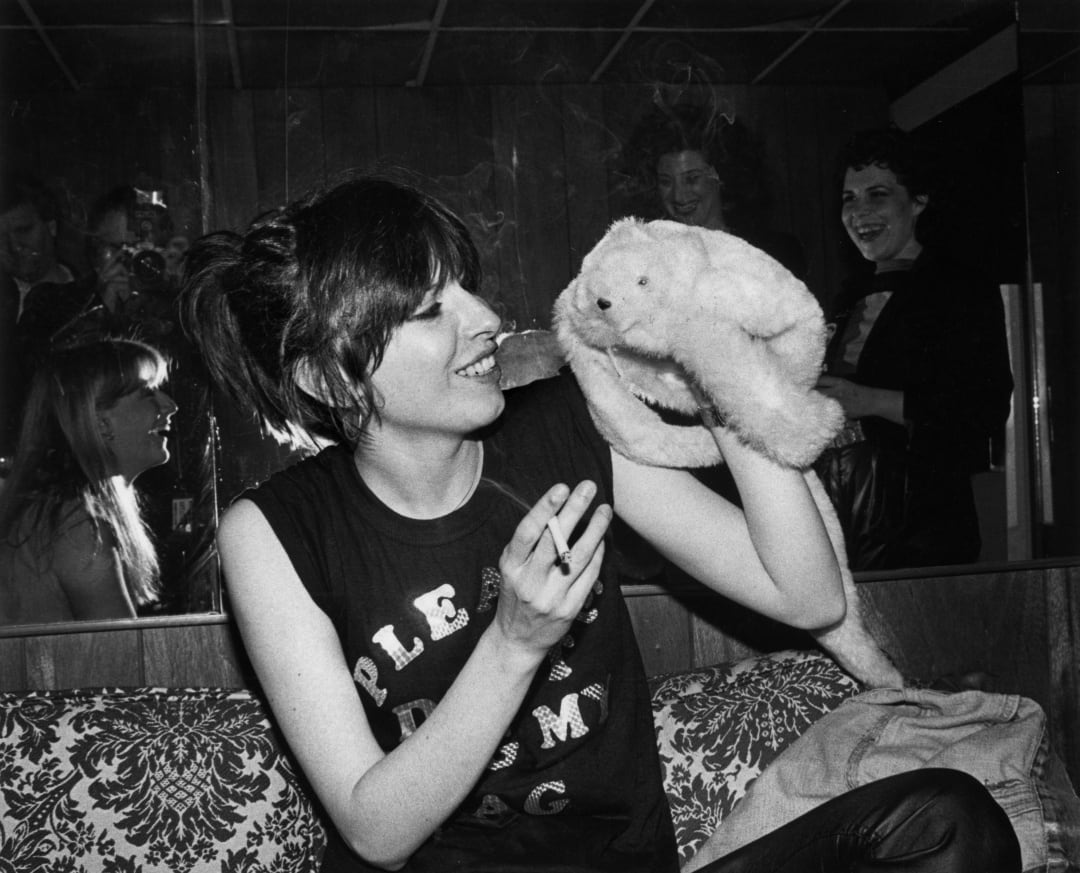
x: 89, y: 337
x: 918, y: 359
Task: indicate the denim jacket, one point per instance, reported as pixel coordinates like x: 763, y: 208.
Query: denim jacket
x: 999, y: 739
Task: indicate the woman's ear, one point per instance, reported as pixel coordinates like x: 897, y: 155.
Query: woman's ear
x: 920, y: 202
x: 105, y: 428
x: 312, y: 382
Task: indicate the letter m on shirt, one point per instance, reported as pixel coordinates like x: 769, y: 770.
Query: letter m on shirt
x: 568, y: 723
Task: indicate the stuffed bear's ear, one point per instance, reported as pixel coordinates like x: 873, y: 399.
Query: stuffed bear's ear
x: 620, y: 230
x: 629, y: 228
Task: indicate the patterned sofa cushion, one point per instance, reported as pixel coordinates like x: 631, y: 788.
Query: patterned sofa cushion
x: 718, y: 727
x: 134, y: 781
x: 193, y: 780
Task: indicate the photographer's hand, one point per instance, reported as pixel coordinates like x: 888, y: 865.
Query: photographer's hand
x: 114, y: 280
x: 860, y: 401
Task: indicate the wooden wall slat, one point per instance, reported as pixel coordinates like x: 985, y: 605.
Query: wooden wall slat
x: 418, y: 130
x: 350, y: 132
x: 724, y: 631
x: 288, y: 145
x: 474, y: 193
x: 766, y: 115
x: 993, y: 627
x: 535, y: 267
x: 194, y: 656
x: 69, y: 166
x: 584, y: 144
x: 13, y: 664
x: 1063, y: 704
x: 233, y: 174
x: 624, y: 106
x: 178, y: 150
x: 105, y: 658
x: 662, y: 627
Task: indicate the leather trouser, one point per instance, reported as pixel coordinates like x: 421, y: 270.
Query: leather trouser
x: 925, y: 821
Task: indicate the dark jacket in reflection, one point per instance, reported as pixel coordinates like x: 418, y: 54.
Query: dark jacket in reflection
x: 73, y: 312
x: 903, y: 493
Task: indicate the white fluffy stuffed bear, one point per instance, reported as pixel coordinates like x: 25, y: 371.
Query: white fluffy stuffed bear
x: 658, y: 302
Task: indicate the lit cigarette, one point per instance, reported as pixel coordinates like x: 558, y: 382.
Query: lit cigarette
x: 561, y: 545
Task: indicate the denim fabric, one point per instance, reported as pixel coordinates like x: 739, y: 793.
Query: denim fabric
x: 999, y: 739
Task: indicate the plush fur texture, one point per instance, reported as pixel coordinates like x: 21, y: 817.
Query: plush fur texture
x: 658, y: 303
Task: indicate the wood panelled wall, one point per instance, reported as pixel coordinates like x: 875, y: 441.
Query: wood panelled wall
x: 532, y: 169
x: 1013, y: 631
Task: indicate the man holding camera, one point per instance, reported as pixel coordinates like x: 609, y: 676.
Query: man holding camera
x: 130, y: 290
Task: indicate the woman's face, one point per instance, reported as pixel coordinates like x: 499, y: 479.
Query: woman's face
x: 689, y: 189
x: 879, y: 214
x: 136, y: 428
x: 438, y: 373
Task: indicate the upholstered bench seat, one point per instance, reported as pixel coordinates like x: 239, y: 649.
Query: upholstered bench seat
x: 185, y: 780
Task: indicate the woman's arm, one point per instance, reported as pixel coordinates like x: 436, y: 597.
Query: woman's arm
x: 386, y: 805
x: 91, y: 573
x: 774, y: 556
x: 860, y: 401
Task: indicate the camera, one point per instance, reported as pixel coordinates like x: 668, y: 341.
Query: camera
x: 146, y: 260
x: 147, y: 264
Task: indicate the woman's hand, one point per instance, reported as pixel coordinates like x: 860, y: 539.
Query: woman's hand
x: 540, y: 594
x: 860, y: 401
x: 845, y: 392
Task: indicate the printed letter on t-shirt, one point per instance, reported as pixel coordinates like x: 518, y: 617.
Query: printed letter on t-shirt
x: 387, y: 639
x: 443, y: 617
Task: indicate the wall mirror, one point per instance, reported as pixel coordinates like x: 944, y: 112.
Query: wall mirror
x: 518, y: 113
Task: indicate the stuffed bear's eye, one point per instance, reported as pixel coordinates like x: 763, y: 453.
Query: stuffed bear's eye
x: 643, y: 281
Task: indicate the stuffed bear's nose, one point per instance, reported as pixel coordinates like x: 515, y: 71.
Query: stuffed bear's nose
x: 603, y: 303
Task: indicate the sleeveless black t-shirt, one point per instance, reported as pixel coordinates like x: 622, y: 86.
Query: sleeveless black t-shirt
x: 576, y: 783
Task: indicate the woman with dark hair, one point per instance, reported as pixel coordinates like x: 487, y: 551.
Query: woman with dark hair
x: 462, y: 689
x: 73, y: 544
x: 919, y: 360
x: 707, y: 169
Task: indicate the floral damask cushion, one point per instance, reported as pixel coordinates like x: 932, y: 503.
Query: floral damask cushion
x: 134, y: 781
x: 718, y: 727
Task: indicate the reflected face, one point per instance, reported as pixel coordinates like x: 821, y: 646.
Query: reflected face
x: 438, y: 373
x: 879, y: 214
x: 27, y: 243
x: 175, y: 250
x: 136, y: 430
x: 689, y: 189
x: 109, y: 259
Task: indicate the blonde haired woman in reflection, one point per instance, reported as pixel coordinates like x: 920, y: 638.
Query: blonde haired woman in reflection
x: 73, y: 544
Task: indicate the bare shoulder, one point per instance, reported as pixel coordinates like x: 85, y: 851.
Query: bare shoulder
x: 81, y: 542
x: 241, y: 520
x: 258, y: 571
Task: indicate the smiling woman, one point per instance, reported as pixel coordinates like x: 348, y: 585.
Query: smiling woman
x: 73, y: 544
x: 920, y: 363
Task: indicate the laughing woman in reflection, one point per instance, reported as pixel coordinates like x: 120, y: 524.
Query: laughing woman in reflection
x: 920, y: 363
x: 73, y: 545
